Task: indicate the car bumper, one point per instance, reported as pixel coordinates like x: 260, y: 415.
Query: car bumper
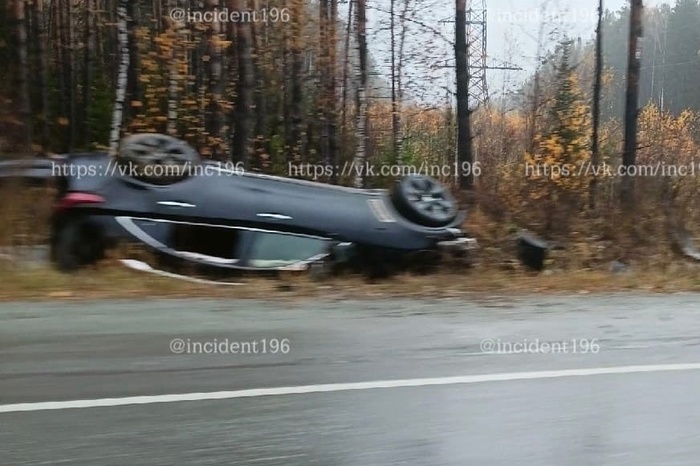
x: 462, y: 244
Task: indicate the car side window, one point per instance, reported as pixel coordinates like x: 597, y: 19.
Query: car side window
x: 278, y: 250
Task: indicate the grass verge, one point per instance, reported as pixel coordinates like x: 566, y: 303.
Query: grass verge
x: 117, y: 282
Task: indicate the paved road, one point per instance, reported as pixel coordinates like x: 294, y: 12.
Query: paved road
x: 493, y: 382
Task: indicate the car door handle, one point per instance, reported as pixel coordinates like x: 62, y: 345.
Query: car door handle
x: 176, y: 204
x: 275, y: 216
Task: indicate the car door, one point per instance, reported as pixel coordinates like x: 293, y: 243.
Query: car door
x: 198, y: 218
x: 278, y: 250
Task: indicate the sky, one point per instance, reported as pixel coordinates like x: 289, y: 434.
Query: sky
x: 511, y: 38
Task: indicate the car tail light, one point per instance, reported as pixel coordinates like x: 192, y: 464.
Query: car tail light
x: 75, y: 199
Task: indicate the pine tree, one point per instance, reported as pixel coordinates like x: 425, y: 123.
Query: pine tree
x: 556, y: 168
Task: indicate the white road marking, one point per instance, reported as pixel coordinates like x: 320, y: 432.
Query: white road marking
x: 341, y: 387
x: 276, y: 458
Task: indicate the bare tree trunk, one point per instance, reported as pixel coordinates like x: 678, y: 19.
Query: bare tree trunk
x: 534, y: 116
x: 43, y: 74
x: 216, y: 119
x: 61, y: 72
x: 394, y: 96
x: 231, y: 72
x: 346, y: 73
x: 105, y: 38
x: 464, y: 137
x: 87, y: 69
x: 398, y: 143
x: 294, y: 140
x: 324, y: 70
x: 24, y: 98
x: 245, y: 86
x: 122, y: 76
x: 72, y: 67
x: 173, y: 78
x: 133, y: 87
x: 287, y: 79
x: 597, y: 83
x: 326, y: 104
x: 261, y: 122
x: 449, y: 155
x: 332, y: 116
x: 629, y: 154
x: 361, y: 92
x: 534, y: 113
x: 178, y: 57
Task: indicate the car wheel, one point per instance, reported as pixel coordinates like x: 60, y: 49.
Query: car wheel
x: 77, y: 243
x: 425, y: 201
x: 157, y: 158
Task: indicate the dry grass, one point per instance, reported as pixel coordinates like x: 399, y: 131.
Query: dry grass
x: 113, y: 282
x: 24, y: 219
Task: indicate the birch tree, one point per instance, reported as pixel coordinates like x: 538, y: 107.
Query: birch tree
x: 361, y: 91
x: 122, y: 75
x: 394, y: 91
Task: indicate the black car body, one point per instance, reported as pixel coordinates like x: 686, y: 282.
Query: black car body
x: 220, y: 217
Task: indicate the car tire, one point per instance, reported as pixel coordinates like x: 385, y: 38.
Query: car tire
x: 425, y: 201
x: 76, y: 244
x: 157, y: 158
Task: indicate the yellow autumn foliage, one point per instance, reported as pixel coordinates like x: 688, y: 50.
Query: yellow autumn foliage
x: 165, y: 79
x: 557, y: 167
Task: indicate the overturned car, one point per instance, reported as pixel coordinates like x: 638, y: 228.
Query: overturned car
x: 202, y: 212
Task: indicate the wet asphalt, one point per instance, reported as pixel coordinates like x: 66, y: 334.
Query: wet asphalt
x: 97, y: 350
